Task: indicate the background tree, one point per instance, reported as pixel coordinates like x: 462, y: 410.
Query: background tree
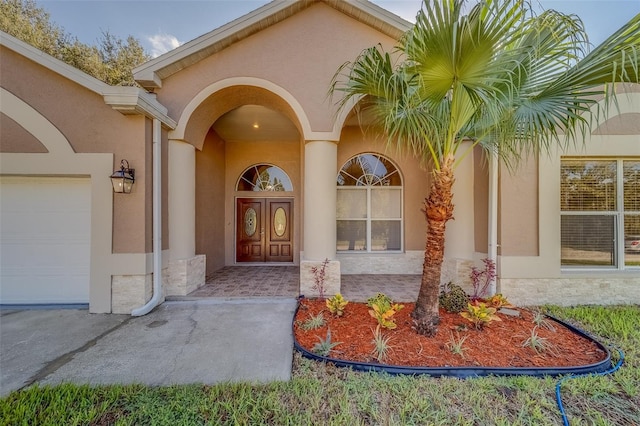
x: 502, y: 77
x: 111, y: 61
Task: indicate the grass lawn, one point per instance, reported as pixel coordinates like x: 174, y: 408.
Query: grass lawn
x: 321, y: 394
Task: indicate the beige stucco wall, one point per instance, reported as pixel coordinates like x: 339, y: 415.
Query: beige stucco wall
x: 291, y: 79
x: 299, y: 54
x: 287, y: 67
x: 518, y: 210
x: 16, y: 139
x: 538, y: 278
x: 480, y: 201
x: 90, y: 126
x: 621, y: 124
x: 53, y: 125
x: 210, y: 202
x: 80, y: 114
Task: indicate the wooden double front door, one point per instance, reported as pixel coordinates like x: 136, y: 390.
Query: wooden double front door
x: 264, y: 230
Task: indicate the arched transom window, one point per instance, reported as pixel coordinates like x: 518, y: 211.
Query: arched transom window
x: 369, y: 205
x: 264, y: 177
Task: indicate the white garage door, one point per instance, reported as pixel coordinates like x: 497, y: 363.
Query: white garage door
x: 45, y: 240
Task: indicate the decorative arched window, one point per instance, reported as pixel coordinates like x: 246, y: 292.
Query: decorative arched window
x: 369, y: 205
x: 264, y: 177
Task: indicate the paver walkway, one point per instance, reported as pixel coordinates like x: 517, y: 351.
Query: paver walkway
x: 284, y: 281
x: 400, y: 288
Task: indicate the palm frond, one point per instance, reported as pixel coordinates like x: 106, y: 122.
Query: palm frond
x: 508, y: 79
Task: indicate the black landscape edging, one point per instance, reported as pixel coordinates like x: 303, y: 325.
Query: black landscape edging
x: 466, y: 372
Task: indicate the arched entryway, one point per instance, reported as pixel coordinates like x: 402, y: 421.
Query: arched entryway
x: 227, y: 128
x: 250, y: 131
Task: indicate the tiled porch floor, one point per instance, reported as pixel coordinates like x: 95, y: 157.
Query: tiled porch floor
x: 284, y: 281
x: 400, y: 288
x: 251, y: 281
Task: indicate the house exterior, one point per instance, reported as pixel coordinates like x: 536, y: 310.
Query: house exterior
x: 240, y: 158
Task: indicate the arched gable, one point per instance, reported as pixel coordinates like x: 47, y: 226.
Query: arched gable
x: 35, y: 123
x: 623, y: 117
x: 223, y: 96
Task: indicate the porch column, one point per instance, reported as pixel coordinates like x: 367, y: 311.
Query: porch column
x: 186, y: 270
x: 320, y: 160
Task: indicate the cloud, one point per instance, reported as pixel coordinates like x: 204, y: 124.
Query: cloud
x: 162, y: 43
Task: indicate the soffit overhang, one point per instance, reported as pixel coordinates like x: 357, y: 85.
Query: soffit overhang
x: 150, y: 74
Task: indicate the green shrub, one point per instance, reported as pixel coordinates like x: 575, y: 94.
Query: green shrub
x: 336, y: 305
x: 453, y: 298
x: 480, y: 314
x: 383, y: 309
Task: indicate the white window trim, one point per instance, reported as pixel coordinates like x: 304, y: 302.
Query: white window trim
x: 619, y: 213
x: 368, y: 220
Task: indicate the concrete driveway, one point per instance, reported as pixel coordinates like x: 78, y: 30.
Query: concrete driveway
x: 206, y: 341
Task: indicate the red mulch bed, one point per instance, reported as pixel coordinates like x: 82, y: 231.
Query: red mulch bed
x: 499, y: 344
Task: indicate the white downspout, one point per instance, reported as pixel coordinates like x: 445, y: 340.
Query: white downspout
x: 157, y: 223
x: 493, y: 217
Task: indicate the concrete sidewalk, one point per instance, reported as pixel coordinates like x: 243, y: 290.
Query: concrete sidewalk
x: 205, y: 341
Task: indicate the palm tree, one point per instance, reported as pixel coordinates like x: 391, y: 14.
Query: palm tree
x: 502, y: 77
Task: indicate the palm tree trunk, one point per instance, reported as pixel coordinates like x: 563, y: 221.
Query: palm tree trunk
x: 438, y: 209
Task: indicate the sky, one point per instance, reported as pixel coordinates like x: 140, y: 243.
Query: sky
x: 162, y: 25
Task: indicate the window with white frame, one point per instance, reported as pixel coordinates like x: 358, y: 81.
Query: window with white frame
x: 369, y: 205
x: 600, y: 213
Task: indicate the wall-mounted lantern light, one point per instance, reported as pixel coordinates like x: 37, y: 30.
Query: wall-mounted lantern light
x: 123, y: 179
